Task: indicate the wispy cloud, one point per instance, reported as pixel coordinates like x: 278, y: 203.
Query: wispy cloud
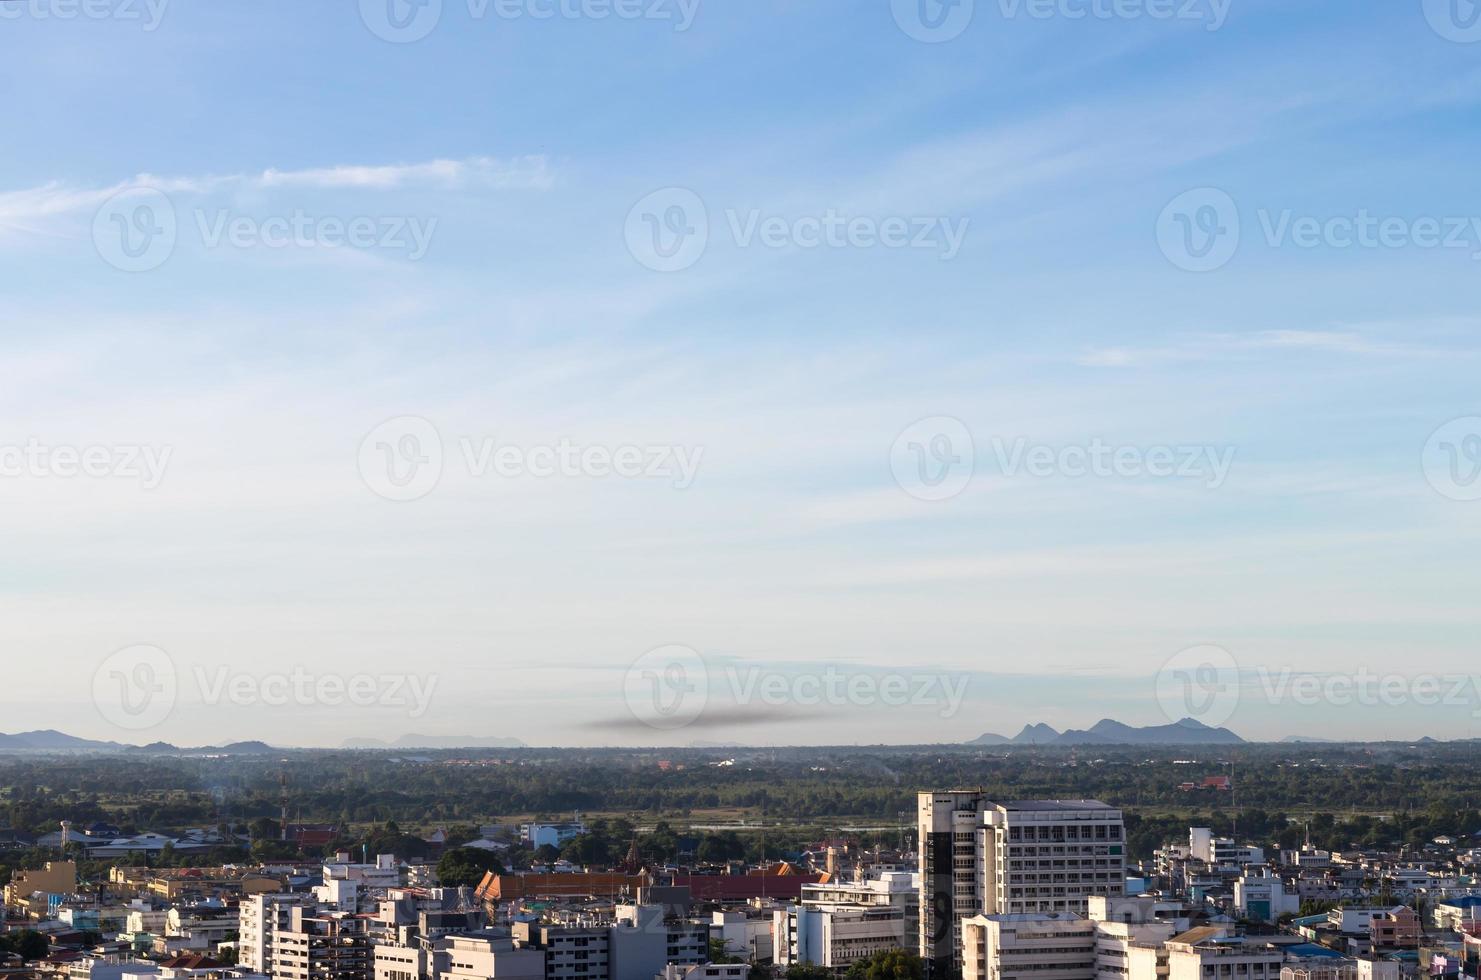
x: 1222, y: 346
x: 21, y: 209
x: 529, y: 172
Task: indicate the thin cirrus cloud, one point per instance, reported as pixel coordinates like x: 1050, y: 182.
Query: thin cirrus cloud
x: 21, y: 209
x: 1210, y: 347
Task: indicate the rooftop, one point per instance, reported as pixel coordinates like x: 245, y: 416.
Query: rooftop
x: 1021, y: 805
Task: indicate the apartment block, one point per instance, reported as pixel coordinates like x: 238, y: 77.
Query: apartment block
x: 1028, y: 946
x: 260, y: 919
x: 1050, y: 855
x: 948, y: 823
x: 1025, y: 856
x: 322, y: 946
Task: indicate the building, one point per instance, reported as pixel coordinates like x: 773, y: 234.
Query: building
x: 837, y: 923
x: 1125, y: 926
x: 486, y: 955
x: 1262, y: 896
x: 57, y: 878
x: 1051, y: 855
x: 497, y: 888
x: 1205, y: 847
x: 705, y: 971
x: 981, y: 857
x: 1457, y: 914
x: 947, y: 823
x: 747, y: 933
x: 1344, y: 969
x: 554, y: 834
x: 384, y: 873
x: 1206, y: 954
x: 835, y: 936
x: 640, y: 943
x: 321, y: 946
x: 1028, y: 946
x: 260, y: 919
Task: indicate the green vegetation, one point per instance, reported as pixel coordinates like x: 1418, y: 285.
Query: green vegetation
x: 26, y: 943
x: 887, y: 964
x: 466, y: 866
x: 693, y: 806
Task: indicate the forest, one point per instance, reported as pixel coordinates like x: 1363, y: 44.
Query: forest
x: 743, y: 802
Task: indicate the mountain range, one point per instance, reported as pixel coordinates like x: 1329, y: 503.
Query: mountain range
x: 1188, y: 731
x: 50, y: 740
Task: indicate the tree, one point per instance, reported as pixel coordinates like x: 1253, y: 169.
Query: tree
x: 888, y: 964
x: 718, y: 953
x: 806, y: 971
x: 588, y: 849
x: 28, y: 944
x: 466, y: 866
x: 264, y: 828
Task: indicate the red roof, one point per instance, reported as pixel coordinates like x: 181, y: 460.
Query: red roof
x: 739, y: 887
x: 192, y: 961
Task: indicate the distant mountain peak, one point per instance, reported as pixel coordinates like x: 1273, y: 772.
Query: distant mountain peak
x: 1109, y: 731
x: 1036, y: 734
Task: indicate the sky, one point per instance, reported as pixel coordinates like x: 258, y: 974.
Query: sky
x: 647, y: 372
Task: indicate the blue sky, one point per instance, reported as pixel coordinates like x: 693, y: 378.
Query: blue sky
x: 505, y: 172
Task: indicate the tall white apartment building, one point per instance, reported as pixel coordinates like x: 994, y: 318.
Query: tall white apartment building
x: 1051, y: 855
x: 1025, y: 856
x: 322, y: 946
x: 261, y: 918
x: 948, y: 823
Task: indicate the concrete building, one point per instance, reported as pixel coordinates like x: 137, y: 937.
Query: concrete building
x: 555, y: 834
x: 1202, y: 955
x: 1363, y: 969
x: 1205, y: 847
x: 1024, y: 856
x: 704, y: 971
x: 57, y: 878
x: 639, y: 944
x: 1457, y: 914
x: 321, y: 946
x: 747, y: 933
x: 1051, y: 855
x: 835, y: 936
x: 947, y: 823
x: 487, y: 955
x: 1261, y: 895
x: 384, y: 873
x: 1028, y: 946
x: 260, y: 919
